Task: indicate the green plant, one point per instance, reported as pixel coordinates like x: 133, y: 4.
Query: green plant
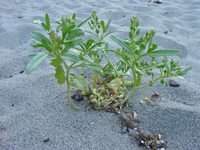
x: 107, y: 85
x: 141, y: 57
x: 59, y: 47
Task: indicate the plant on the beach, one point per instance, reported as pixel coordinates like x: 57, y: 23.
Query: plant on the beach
x: 106, y: 90
x: 140, y: 56
x: 58, y: 47
x: 107, y: 85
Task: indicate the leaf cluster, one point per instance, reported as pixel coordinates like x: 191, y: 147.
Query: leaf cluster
x: 70, y: 47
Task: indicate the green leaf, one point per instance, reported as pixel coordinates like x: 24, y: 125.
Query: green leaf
x: 91, y: 65
x: 70, y: 57
x: 36, y: 61
x: 74, y: 16
x: 89, y: 43
x: 121, y: 43
x: 125, y: 61
x: 103, y: 25
x: 94, y: 66
x: 107, y: 25
x: 86, y: 58
x: 56, y: 62
x: 44, y: 26
x: 59, y: 71
x: 47, y: 22
x: 97, y: 45
x: 46, y: 44
x: 164, y: 53
x: 152, y: 47
x: 44, y: 41
x: 185, y: 71
x: 38, y: 36
x: 162, y: 81
x: 38, y: 45
x: 75, y: 33
x: 138, y: 70
x: 60, y: 74
x: 79, y: 25
x: 80, y: 83
x: 108, y: 33
x: 67, y: 29
x: 71, y: 44
x: 30, y: 56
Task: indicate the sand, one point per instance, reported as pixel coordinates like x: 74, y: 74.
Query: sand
x: 34, y: 108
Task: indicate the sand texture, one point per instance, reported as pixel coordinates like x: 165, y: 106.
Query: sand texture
x: 34, y: 108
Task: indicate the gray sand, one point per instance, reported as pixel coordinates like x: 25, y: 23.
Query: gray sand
x: 34, y: 107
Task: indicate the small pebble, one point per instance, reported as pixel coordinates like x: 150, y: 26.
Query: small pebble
x: 158, y: 1
x: 21, y: 71
x: 156, y: 97
x: 159, y: 136
x: 77, y: 96
x: 46, y: 140
x: 162, y: 142
x: 20, y: 17
x: 158, y: 142
x: 142, y: 143
x: 165, y: 32
x: 173, y: 83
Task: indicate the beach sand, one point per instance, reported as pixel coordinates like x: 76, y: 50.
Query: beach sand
x: 34, y: 108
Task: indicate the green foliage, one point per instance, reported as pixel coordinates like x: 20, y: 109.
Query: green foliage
x: 106, y: 88
x: 36, y: 61
x: 141, y: 56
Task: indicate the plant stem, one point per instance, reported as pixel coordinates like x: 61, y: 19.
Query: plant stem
x: 106, y: 56
x: 68, y: 85
x: 152, y: 82
x: 135, y: 78
x: 70, y: 101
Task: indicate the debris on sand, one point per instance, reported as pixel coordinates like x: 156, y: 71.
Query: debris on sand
x: 154, y: 98
x: 150, y: 141
x: 129, y: 120
x: 19, y: 17
x: 77, y: 96
x: 158, y: 1
x: 145, y: 100
x: 145, y: 139
x: 46, y: 140
x: 166, y: 32
x: 173, y: 83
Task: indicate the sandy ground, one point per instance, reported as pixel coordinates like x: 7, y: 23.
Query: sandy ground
x: 34, y: 107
